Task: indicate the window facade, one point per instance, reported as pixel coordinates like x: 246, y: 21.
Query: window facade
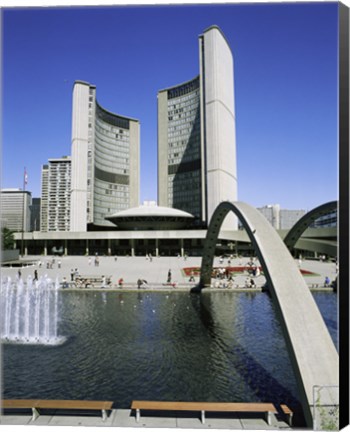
x: 184, y: 148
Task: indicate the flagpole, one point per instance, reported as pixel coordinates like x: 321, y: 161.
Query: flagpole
x: 24, y: 189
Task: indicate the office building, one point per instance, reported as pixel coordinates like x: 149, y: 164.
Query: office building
x: 288, y: 218
x: 55, y: 195
x: 329, y: 220
x: 196, y: 136
x: 281, y: 218
x: 15, y: 209
x: 35, y: 214
x: 105, y: 161
x: 272, y: 214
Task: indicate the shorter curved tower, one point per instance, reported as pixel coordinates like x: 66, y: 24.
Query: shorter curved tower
x: 105, y: 161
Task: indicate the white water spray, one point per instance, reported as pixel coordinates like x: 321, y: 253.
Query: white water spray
x: 29, y: 311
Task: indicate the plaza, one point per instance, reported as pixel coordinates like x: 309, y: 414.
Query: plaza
x: 154, y: 272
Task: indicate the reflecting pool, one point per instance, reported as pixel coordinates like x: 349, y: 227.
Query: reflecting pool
x: 161, y: 346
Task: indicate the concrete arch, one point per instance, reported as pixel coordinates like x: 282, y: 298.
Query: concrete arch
x: 311, y: 349
x: 303, y: 223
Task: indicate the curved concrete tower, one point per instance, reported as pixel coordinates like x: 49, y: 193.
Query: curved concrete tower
x: 105, y: 161
x: 197, y: 136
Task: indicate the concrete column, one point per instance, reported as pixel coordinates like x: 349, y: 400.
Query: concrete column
x: 25, y: 249
x: 87, y: 247
x: 182, y: 247
x: 157, y: 248
x: 65, y: 248
x: 45, y: 248
x: 109, y: 251
x: 132, y: 247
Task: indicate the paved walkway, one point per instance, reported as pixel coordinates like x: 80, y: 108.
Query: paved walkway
x: 155, y: 272
x: 124, y: 418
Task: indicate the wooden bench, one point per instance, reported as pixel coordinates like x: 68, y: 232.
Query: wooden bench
x: 36, y: 404
x: 288, y: 413
x: 267, y: 408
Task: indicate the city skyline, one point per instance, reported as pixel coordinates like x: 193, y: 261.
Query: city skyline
x: 285, y: 65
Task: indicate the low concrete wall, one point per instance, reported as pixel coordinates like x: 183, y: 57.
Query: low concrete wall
x: 9, y: 255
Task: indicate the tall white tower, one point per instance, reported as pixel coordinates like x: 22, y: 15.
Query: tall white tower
x: 197, y: 136
x: 218, y: 137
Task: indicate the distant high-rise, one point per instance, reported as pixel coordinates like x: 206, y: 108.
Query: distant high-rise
x: 197, y: 138
x: 272, y: 214
x: 105, y: 161
x: 281, y: 218
x: 55, y: 195
x: 15, y: 209
x: 35, y: 214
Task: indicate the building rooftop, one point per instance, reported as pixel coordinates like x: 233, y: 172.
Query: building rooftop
x: 151, y: 216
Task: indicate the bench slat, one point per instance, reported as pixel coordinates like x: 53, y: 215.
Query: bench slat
x: 205, y: 406
x: 75, y: 404
x: 18, y: 403
x: 267, y: 408
x: 56, y: 404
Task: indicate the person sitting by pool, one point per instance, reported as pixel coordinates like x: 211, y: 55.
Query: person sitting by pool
x: 120, y: 282
x: 327, y: 281
x: 191, y: 276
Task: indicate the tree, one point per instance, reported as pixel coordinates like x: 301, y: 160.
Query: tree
x: 7, y: 238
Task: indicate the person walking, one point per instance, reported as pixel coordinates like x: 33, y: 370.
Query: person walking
x: 35, y: 275
x: 169, y: 276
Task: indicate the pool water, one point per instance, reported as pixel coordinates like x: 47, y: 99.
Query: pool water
x: 161, y: 346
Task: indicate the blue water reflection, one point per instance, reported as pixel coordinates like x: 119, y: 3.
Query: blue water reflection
x: 137, y: 345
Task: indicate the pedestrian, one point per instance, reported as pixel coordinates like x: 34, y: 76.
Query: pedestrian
x: 64, y: 283
x: 19, y: 274
x: 327, y: 281
x: 89, y: 260
x: 103, y: 282
x: 35, y: 275
x: 169, y: 276
x: 120, y: 282
x: 139, y: 283
x: 59, y: 264
x: 115, y: 258
x: 72, y: 275
x: 191, y: 276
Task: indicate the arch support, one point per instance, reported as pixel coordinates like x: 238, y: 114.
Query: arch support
x: 303, y: 223
x: 311, y: 349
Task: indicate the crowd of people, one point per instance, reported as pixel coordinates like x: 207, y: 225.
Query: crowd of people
x: 224, y: 275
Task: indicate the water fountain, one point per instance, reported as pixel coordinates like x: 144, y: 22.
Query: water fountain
x: 29, y: 311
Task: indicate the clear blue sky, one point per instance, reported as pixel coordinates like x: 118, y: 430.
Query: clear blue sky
x: 285, y: 78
